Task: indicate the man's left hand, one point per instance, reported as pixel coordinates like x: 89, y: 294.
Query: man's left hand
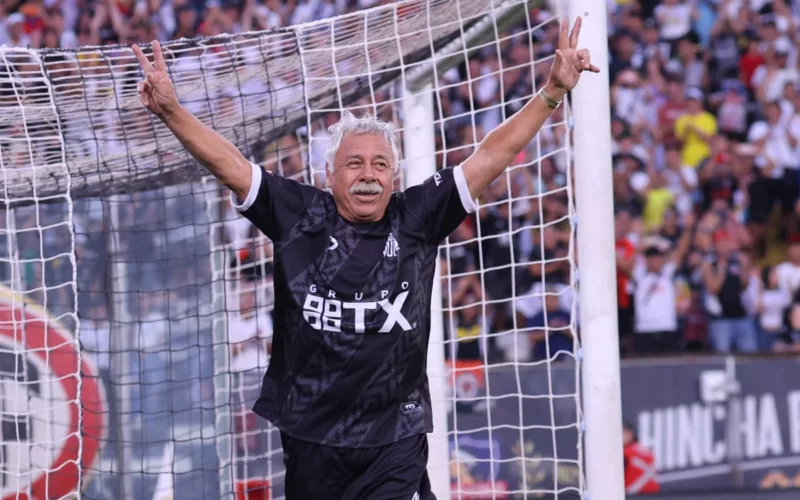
x: 569, y: 61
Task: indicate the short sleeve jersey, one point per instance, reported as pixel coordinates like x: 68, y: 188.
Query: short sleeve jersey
x: 352, y: 308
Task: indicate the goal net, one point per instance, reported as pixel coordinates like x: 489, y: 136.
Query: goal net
x: 136, y: 304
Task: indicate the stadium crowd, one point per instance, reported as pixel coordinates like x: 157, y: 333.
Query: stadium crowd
x: 705, y: 98
x: 707, y: 148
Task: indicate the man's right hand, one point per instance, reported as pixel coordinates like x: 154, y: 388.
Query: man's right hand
x: 156, y: 90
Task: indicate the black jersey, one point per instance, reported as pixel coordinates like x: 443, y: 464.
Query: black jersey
x: 352, y: 308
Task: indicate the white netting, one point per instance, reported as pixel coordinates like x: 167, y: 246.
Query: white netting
x: 508, y: 274
x: 173, y: 288
x: 250, y: 87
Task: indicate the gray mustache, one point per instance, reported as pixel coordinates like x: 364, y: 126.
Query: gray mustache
x: 366, y: 188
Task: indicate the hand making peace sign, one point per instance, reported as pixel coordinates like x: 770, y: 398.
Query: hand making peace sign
x: 570, y: 61
x: 156, y: 90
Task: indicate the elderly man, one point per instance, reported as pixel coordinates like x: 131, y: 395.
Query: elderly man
x: 354, y: 268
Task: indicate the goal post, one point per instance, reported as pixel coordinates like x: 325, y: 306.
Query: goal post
x: 602, y: 394
x: 420, y: 162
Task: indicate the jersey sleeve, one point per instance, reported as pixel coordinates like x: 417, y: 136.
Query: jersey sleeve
x: 441, y: 203
x: 274, y: 204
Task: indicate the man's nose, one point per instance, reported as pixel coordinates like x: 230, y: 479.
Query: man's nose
x: 368, y: 173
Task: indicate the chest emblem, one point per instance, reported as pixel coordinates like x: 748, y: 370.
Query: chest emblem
x: 392, y: 248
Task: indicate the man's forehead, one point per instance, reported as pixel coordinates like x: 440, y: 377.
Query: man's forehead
x: 361, y: 144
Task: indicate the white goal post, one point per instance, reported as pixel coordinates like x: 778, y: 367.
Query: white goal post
x: 591, y: 146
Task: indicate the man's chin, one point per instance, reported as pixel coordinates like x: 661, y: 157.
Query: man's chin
x: 367, y: 207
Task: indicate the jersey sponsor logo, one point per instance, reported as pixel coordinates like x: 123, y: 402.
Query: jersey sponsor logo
x: 437, y: 178
x: 53, y: 426
x: 392, y: 247
x: 327, y: 313
x: 334, y: 244
x: 410, y: 407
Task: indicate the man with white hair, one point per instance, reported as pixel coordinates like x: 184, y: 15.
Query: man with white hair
x: 346, y: 384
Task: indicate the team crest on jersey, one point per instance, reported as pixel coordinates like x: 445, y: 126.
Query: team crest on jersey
x: 392, y: 248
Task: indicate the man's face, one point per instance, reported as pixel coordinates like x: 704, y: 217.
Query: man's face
x: 361, y: 177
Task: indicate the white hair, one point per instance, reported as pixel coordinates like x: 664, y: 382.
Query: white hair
x: 366, y: 124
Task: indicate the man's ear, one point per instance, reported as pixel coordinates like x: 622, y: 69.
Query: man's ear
x: 328, y: 172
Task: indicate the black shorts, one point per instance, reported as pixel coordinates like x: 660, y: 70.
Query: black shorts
x: 319, y: 472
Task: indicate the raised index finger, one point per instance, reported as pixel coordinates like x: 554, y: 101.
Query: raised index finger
x: 576, y: 31
x: 158, y: 57
x: 143, y: 61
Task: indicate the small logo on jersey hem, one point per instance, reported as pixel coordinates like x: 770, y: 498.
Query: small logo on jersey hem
x: 410, y: 407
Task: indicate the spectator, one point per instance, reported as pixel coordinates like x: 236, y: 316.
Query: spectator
x: 673, y: 108
x: 695, y: 128
x: 640, y: 466
x: 787, y: 273
x: 771, y: 305
x: 626, y: 253
x: 791, y: 340
x: 15, y: 35
x: 470, y: 338
x: 655, y: 293
x: 250, y: 334
x: 681, y: 181
x: 658, y: 199
x: 770, y: 78
x: 726, y: 274
x: 675, y: 18
x: 550, y: 328
x: 775, y: 179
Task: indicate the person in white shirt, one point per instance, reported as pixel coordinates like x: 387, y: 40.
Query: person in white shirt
x: 771, y: 303
x: 776, y: 160
x: 654, y: 296
x: 787, y: 273
x: 771, y: 77
x: 675, y: 18
x: 250, y: 335
x: 14, y: 31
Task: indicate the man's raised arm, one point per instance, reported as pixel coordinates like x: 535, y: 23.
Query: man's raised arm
x: 208, y: 147
x: 499, y: 148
